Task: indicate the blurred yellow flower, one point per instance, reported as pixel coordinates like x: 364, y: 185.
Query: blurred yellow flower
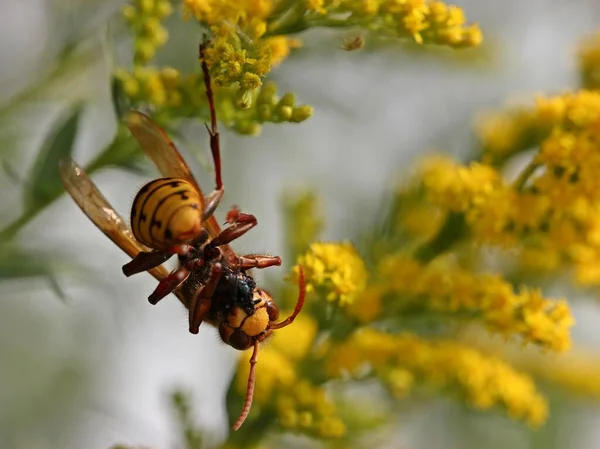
x: 406, y: 361
x: 589, y: 62
x: 483, y: 297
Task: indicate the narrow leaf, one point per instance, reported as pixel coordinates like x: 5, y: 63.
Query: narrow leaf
x: 119, y: 99
x: 43, y: 184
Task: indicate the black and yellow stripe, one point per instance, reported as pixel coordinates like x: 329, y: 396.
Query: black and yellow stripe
x: 166, y: 211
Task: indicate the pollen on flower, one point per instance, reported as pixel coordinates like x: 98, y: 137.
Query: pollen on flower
x: 334, y: 269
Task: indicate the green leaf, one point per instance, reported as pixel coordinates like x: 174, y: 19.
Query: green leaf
x: 43, y: 184
x: 119, y: 100
x: 17, y: 264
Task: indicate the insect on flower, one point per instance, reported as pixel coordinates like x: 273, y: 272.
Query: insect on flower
x: 353, y: 43
x: 171, y: 216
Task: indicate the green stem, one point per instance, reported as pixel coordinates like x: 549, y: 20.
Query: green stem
x: 15, y: 226
x: 291, y: 21
x: 453, y: 230
x: 520, y: 182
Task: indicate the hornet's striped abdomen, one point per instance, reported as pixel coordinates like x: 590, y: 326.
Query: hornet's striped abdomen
x: 166, y: 211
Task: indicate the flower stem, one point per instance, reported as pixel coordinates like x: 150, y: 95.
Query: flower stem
x: 521, y: 180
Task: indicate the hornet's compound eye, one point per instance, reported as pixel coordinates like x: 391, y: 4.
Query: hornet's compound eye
x: 273, y: 311
x: 239, y: 340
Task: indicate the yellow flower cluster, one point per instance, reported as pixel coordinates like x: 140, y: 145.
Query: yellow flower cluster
x: 485, y: 297
x: 299, y: 405
x: 555, y: 203
x: 405, y: 361
x: 433, y: 22
x: 491, y: 208
x: 306, y: 408
x: 335, y: 269
x: 458, y: 187
x: 276, y: 368
x: 589, y: 62
x: 144, y: 17
x: 251, y: 36
x: 241, y: 53
x: 504, y: 133
x: 161, y: 87
x: 184, y: 96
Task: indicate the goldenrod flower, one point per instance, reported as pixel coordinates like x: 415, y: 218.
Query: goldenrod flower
x: 555, y: 203
x: 368, y: 305
x: 278, y: 357
x: 145, y: 18
x: 307, y: 408
x: 589, y: 62
x: 577, y: 372
x: 335, y: 269
x: 457, y: 187
x: 487, y: 297
x: 406, y: 360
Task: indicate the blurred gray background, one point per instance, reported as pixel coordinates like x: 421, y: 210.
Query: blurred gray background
x: 97, y: 368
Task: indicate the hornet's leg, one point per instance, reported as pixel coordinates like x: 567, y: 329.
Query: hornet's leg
x: 201, y: 302
x: 240, y: 224
x: 168, y: 284
x: 259, y: 261
x: 145, y: 260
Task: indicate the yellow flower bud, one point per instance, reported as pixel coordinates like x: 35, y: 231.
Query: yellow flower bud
x: 332, y: 427
x: 268, y: 94
x: 174, y: 99
x: 289, y: 99
x: 472, y: 36
x: 129, y: 13
x: 163, y: 9
x: 243, y: 98
x: 170, y: 77
x: 305, y: 419
x: 289, y: 419
x: 285, y: 113
x: 250, y: 81
x: 264, y: 112
x: 131, y: 87
x: 247, y: 128
x: 159, y: 37
x: 301, y: 113
x: 144, y: 50
x: 146, y: 6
